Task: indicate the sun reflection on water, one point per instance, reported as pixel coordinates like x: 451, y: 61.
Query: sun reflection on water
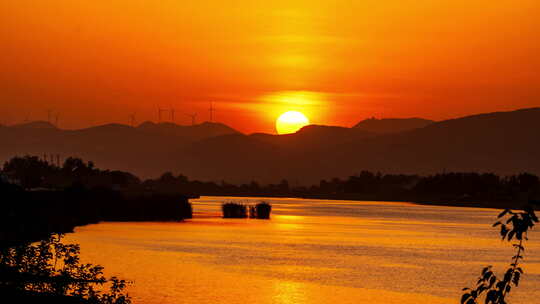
x: 310, y: 252
x: 288, y: 292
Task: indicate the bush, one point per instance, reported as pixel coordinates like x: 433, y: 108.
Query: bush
x: 52, y: 269
x: 260, y: 211
x: 234, y: 210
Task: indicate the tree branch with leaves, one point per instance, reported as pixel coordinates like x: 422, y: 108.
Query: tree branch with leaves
x: 514, y: 225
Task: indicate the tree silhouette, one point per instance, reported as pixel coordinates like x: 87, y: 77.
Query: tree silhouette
x: 53, y: 268
x: 29, y: 171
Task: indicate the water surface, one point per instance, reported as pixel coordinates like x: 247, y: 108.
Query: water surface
x: 311, y: 251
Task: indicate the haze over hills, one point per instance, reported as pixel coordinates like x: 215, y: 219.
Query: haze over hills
x: 503, y: 142
x: 146, y: 150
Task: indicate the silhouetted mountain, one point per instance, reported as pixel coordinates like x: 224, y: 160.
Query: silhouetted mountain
x: 148, y: 150
x: 35, y: 125
x: 314, y: 136
x: 196, y: 132
x: 392, y: 125
x: 231, y: 158
x: 503, y: 143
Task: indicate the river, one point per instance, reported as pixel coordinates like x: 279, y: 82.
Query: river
x: 310, y: 251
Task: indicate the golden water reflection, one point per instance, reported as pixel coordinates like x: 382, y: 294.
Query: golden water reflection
x: 309, y: 252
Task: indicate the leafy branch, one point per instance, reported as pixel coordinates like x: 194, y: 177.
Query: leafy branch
x: 514, y: 226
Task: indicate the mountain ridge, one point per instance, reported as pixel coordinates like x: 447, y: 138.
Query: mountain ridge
x: 499, y: 142
x: 392, y: 125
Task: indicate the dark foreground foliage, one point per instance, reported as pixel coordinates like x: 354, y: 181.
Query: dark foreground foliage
x: 40, y: 201
x: 51, y: 272
x: 494, y: 290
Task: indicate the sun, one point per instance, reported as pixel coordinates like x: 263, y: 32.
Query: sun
x: 290, y: 122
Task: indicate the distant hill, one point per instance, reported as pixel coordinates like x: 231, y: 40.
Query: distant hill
x: 314, y: 136
x: 147, y: 150
x: 196, y: 132
x: 503, y: 143
x: 392, y: 125
x: 35, y: 125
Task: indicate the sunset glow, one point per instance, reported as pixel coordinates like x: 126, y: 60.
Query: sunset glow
x: 97, y: 62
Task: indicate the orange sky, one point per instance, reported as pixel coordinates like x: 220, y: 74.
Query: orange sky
x: 337, y: 61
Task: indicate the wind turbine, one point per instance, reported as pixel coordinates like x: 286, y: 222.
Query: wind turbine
x: 211, y: 111
x: 193, y: 118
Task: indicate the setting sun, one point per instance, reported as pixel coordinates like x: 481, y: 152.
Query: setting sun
x: 290, y: 122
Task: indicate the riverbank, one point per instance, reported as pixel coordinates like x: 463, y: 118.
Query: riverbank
x: 450, y: 202
x: 29, y: 216
x: 520, y: 204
